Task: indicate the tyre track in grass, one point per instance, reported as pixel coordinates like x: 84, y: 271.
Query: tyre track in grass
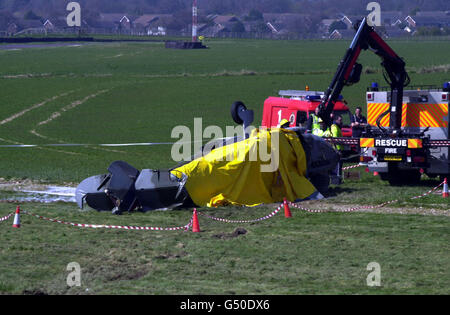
x: 35, y: 106
x: 64, y: 109
x: 29, y: 109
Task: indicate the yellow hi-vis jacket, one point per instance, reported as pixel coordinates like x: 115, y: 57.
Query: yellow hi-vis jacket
x: 232, y: 174
x: 315, y: 122
x: 336, y: 132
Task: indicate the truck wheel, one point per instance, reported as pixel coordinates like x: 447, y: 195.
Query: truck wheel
x: 444, y: 176
x: 401, y: 177
x: 237, y: 107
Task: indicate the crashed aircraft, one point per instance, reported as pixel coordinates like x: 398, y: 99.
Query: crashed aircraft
x: 230, y: 174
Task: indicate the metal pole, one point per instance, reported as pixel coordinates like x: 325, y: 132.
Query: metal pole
x: 194, y: 21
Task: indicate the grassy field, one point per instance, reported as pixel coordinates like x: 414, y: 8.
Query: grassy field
x: 308, y: 254
x: 137, y: 92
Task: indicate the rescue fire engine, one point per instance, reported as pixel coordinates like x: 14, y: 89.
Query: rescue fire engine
x: 407, y: 131
x: 425, y: 118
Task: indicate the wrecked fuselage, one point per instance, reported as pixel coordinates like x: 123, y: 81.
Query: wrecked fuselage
x: 125, y: 188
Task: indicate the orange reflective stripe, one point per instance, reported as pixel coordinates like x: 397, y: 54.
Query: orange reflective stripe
x: 413, y: 115
x: 414, y: 143
x: 366, y: 142
x: 374, y: 110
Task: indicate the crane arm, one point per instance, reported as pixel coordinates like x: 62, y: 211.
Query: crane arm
x: 349, y: 72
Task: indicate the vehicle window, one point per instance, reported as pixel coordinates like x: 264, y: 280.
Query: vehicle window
x: 301, y: 117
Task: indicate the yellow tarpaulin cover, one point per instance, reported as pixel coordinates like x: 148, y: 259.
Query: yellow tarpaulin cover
x: 232, y: 174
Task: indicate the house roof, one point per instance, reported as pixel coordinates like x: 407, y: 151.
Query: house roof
x: 431, y: 20
x: 344, y: 33
x: 394, y: 31
x: 335, y: 34
x: 328, y: 22
x: 282, y: 17
x: 392, y: 15
x: 223, y: 19
x: 114, y: 17
x: 146, y: 19
x: 55, y: 22
x: 24, y: 24
x: 433, y: 13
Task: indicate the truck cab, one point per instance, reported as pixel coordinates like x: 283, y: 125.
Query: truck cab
x: 297, y: 105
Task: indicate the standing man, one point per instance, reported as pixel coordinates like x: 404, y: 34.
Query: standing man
x: 313, y: 121
x: 336, y: 132
x: 358, y: 123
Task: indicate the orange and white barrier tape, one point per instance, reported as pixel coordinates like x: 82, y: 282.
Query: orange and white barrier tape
x: 189, y: 225
x: 428, y: 192
x: 362, y: 207
x: 271, y: 215
x: 344, y: 210
x: 6, y: 217
x: 351, y: 167
x: 119, y: 227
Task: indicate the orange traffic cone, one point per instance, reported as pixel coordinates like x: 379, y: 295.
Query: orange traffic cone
x: 195, y: 225
x: 16, y: 223
x: 287, y: 211
x: 445, y: 190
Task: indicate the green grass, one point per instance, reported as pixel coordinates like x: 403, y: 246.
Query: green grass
x: 308, y: 254
x: 146, y: 91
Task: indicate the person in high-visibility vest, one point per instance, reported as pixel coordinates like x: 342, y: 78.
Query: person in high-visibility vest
x: 336, y: 132
x: 321, y: 129
x: 313, y: 121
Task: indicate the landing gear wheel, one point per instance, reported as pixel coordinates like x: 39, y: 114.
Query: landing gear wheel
x: 237, y: 107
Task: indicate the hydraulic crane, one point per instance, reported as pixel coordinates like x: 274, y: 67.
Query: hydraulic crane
x: 349, y: 72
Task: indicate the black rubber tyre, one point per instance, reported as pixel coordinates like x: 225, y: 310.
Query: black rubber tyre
x: 444, y: 176
x: 236, y: 107
x: 404, y: 178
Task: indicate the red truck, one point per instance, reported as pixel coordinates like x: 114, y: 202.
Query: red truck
x: 297, y: 105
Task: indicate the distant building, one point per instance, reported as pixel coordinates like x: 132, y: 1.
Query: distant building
x: 346, y: 20
x: 12, y: 29
x: 335, y: 35
x: 325, y: 24
x: 391, y: 18
x: 115, y: 22
x: 284, y: 23
x: 428, y: 21
x: 410, y: 21
x: 152, y: 24
x: 218, y: 24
